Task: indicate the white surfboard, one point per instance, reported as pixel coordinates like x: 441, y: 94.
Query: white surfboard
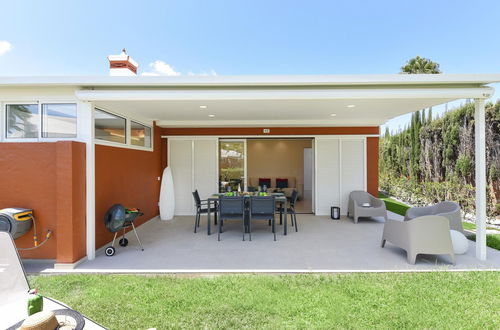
x: 167, y: 198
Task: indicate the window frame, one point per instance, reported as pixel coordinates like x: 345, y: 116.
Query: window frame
x: 132, y: 121
x: 115, y: 115
x: 41, y: 104
x: 128, y: 127
x: 5, y: 138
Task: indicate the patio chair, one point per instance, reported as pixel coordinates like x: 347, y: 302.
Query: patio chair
x: 262, y: 208
x: 428, y: 235
x: 202, y: 208
x: 375, y: 207
x: 291, y: 210
x: 231, y: 208
x: 449, y: 210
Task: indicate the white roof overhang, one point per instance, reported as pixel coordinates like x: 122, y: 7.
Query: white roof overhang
x: 355, y: 100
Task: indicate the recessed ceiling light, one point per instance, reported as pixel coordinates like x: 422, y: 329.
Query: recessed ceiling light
x: 333, y: 114
x: 211, y: 116
x: 203, y: 106
x: 351, y: 106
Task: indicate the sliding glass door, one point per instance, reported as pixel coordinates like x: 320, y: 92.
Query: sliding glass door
x: 232, y: 165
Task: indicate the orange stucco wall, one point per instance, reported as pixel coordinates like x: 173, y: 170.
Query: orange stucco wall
x: 50, y: 179
x: 128, y: 177
x: 193, y: 131
x: 372, y: 165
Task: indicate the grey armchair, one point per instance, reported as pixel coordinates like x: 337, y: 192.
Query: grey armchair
x: 428, y: 234
x: 449, y: 210
x: 356, y: 209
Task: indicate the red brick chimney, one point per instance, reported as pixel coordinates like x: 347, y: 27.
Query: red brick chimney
x: 122, y: 65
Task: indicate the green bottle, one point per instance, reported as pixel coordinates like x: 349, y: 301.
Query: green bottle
x: 35, y: 302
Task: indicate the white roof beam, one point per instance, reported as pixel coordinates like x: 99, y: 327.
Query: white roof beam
x: 283, y: 94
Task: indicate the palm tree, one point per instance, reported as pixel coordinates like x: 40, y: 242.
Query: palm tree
x: 420, y: 65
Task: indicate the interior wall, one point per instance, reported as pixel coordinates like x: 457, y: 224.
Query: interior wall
x: 128, y: 177
x: 277, y: 159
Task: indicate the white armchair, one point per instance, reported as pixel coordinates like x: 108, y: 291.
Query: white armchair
x: 356, y: 209
x: 428, y: 234
x: 449, y: 210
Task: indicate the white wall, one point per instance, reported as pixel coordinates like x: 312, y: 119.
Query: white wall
x: 340, y: 169
x: 194, y: 164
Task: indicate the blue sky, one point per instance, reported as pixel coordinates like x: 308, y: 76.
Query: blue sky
x: 249, y: 37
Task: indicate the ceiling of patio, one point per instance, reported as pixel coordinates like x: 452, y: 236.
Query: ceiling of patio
x: 326, y: 100
x: 196, y: 113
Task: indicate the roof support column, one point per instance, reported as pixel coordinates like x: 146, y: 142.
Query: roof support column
x: 86, y: 132
x: 480, y: 160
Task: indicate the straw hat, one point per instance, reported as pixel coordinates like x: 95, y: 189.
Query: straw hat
x: 40, y: 321
x: 60, y: 319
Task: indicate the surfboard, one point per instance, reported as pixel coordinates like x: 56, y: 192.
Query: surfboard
x: 167, y: 198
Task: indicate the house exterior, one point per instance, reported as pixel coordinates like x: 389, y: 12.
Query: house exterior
x: 70, y: 147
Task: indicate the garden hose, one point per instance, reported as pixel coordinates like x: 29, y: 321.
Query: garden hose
x: 35, y: 237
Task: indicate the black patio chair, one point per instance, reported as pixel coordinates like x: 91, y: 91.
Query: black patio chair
x: 291, y: 209
x: 202, y: 208
x: 262, y: 208
x: 231, y: 208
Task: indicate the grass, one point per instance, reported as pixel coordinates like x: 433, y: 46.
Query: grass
x: 471, y: 226
x: 349, y: 301
x: 393, y: 205
x: 492, y: 240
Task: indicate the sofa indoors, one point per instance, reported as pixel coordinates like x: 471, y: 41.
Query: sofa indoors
x: 286, y: 184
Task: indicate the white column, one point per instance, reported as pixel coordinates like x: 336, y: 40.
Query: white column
x: 480, y: 160
x: 86, y: 133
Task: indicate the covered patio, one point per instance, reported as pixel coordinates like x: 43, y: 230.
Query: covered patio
x: 320, y: 245
x: 341, y: 113
x: 182, y: 121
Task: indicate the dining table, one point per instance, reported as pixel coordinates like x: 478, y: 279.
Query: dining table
x: 279, y: 199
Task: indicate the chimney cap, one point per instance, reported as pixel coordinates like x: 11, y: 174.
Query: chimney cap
x: 123, y: 57
x: 122, y: 65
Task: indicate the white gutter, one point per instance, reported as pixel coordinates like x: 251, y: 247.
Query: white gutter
x: 303, y: 94
x: 266, y: 80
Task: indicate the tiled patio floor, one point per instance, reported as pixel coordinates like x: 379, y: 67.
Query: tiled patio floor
x: 321, y: 244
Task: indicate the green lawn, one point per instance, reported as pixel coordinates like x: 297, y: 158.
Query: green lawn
x: 393, y: 205
x: 492, y: 240
x: 472, y: 227
x: 355, y: 301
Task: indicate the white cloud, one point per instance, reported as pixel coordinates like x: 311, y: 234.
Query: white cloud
x: 160, y: 68
x: 5, y: 46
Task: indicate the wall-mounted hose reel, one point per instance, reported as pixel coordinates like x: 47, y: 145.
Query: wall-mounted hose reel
x: 18, y: 221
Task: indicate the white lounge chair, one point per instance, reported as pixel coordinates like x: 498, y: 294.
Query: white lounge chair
x: 449, y: 210
x: 14, y: 289
x: 428, y: 235
x: 373, y: 206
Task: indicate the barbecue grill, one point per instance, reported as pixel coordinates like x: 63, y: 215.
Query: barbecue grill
x: 120, y: 218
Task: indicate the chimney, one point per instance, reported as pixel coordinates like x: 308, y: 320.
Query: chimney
x: 122, y: 65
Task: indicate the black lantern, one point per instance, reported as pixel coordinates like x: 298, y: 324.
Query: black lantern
x: 335, y: 212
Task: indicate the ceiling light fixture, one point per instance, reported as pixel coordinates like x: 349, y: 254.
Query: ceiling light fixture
x: 203, y: 106
x: 351, y: 106
x: 333, y: 114
x: 211, y: 116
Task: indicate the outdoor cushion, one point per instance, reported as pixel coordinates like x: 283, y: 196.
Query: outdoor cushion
x: 264, y: 182
x: 281, y: 183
